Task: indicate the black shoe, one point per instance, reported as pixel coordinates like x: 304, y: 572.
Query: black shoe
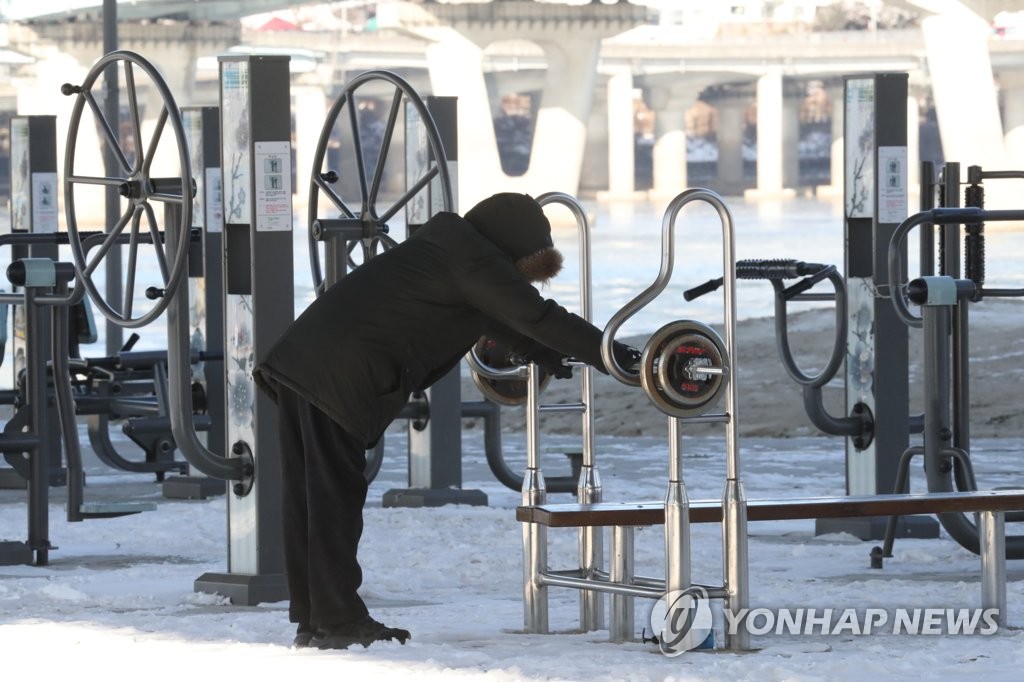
x: 303, y: 636
x: 364, y: 631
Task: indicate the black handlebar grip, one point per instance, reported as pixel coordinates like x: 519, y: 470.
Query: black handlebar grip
x: 702, y: 289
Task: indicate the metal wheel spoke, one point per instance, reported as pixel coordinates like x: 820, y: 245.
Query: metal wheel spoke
x: 161, y: 120
x: 133, y: 257
x: 338, y: 202
x: 409, y: 194
x: 111, y: 138
x: 165, y: 198
x: 104, y: 248
x: 159, y: 247
x: 94, y: 180
x: 133, y: 110
x: 357, y: 145
x: 382, y: 154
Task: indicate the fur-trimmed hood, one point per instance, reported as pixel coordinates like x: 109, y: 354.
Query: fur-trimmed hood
x: 517, y: 225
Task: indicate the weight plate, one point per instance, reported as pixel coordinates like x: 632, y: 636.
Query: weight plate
x: 684, y: 368
x: 496, y: 354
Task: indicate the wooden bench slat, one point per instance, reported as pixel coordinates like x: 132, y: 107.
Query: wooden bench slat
x: 710, y: 511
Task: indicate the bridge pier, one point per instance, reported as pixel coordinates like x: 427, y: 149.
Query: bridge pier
x: 621, y: 141
x: 732, y: 113
x: 671, y: 101
x: 309, y: 110
x: 774, y: 136
x: 560, y: 132
x: 1012, y: 87
x: 960, y: 68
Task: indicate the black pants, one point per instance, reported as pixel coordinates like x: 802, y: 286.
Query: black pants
x: 323, y: 495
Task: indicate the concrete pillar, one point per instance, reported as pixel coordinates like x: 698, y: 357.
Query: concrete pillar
x: 730, y: 145
x: 790, y: 147
x: 670, y: 104
x: 1012, y: 87
x: 913, y: 150
x: 309, y: 106
x: 770, y: 136
x: 561, y: 133
x: 456, y: 69
x: 836, y: 167
x: 965, y: 96
x: 40, y: 94
x: 669, y: 172
x: 620, y: 134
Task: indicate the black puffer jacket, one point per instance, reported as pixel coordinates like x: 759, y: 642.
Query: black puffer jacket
x: 401, y: 320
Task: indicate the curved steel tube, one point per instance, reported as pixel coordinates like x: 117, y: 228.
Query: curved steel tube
x: 588, y: 488
x: 734, y: 508
x: 665, y: 274
x: 938, y: 216
x: 839, y: 343
x: 179, y: 379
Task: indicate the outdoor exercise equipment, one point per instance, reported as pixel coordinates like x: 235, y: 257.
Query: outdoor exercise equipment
x: 206, y: 294
x: 141, y: 190
x: 33, y: 436
x: 685, y: 386
x: 350, y: 165
x: 877, y: 360
x: 945, y: 299
x: 255, y: 124
x: 733, y: 511
x: 34, y: 211
x: 508, y: 380
x: 868, y: 335
x: 377, y: 125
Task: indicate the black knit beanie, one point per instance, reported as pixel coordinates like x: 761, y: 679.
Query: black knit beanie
x: 517, y: 225
x: 514, y: 222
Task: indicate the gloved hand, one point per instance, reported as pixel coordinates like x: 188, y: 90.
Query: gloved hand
x: 627, y: 357
x: 550, y: 361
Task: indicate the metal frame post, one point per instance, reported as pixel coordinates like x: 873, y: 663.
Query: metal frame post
x: 34, y: 209
x: 992, y: 533
x: 259, y: 306
x: 621, y: 571
x: 535, y: 536
x: 435, y: 443
x: 206, y: 292
x: 875, y: 203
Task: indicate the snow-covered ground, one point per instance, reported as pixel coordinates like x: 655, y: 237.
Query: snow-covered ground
x: 116, y: 601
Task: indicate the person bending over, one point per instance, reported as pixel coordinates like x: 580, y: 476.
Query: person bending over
x: 345, y: 367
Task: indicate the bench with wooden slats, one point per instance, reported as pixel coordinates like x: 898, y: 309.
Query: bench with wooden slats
x: 990, y: 505
x: 710, y: 511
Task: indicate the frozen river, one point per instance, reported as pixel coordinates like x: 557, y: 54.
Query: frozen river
x: 626, y: 256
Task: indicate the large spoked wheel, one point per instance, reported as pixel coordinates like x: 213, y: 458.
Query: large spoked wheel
x: 152, y: 172
x: 349, y: 197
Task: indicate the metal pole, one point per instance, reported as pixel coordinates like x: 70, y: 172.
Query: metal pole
x: 588, y: 486
x: 677, y: 517
x: 621, y: 573
x: 535, y: 536
x: 992, y: 526
x: 112, y: 112
x: 734, y: 503
x: 35, y: 378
